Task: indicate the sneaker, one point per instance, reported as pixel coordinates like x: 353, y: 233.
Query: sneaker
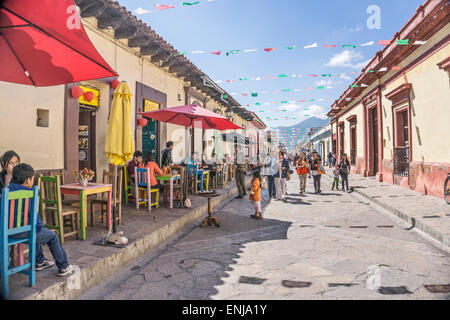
x: 66, y: 271
x: 44, y: 265
x: 284, y: 200
x: 254, y: 216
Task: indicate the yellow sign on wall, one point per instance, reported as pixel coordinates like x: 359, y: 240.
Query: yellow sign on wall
x: 150, y: 105
x: 94, y: 102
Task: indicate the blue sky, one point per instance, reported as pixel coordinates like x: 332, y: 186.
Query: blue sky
x: 250, y: 24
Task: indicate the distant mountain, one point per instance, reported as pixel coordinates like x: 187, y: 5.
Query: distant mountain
x: 308, y: 123
x: 291, y: 137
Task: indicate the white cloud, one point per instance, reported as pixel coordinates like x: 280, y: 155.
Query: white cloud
x: 344, y: 76
x: 140, y: 11
x: 324, y: 83
x: 347, y: 59
x: 354, y: 29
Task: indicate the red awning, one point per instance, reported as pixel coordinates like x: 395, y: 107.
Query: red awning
x: 43, y: 43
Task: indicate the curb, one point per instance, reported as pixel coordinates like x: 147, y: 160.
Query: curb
x: 85, y: 278
x: 414, y: 223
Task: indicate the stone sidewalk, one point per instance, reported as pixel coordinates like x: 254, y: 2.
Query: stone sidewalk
x: 428, y: 214
x: 93, y: 263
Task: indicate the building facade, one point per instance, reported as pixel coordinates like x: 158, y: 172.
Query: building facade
x: 320, y: 141
x: 52, y: 130
x: 394, y: 119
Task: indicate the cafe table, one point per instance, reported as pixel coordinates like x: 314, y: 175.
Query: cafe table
x: 171, y: 178
x: 83, y: 192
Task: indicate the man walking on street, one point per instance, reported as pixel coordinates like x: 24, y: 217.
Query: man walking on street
x: 270, y: 168
x: 241, y: 170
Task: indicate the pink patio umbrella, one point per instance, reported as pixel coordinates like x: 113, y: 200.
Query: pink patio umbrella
x: 187, y: 115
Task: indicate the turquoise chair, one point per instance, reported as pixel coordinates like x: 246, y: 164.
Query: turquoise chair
x: 18, y: 215
x: 199, y: 173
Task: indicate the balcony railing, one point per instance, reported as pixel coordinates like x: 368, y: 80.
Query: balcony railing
x: 401, y: 161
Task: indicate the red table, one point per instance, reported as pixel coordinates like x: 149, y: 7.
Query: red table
x: 83, y: 192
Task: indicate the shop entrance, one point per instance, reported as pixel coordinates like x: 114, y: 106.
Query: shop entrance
x: 150, y: 132
x: 86, y: 139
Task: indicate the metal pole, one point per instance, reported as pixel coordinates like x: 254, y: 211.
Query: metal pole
x: 114, y: 224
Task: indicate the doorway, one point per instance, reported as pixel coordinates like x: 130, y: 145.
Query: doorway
x: 86, y: 139
x: 373, y: 149
x: 150, y: 132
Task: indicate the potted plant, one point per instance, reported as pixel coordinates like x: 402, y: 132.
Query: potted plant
x: 83, y: 176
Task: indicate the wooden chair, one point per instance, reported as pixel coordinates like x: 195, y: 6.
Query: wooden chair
x: 221, y: 176
x: 192, y: 179
x: 142, y: 186
x: 50, y: 203
x: 102, y: 200
x: 15, y: 221
x: 128, y: 186
x: 178, y: 188
x: 200, y: 176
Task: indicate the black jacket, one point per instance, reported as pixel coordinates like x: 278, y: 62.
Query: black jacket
x: 2, y: 180
x: 166, y: 158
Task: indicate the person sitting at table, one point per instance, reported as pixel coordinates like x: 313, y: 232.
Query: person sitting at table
x: 23, y: 179
x: 8, y: 161
x: 149, y: 162
x: 135, y: 162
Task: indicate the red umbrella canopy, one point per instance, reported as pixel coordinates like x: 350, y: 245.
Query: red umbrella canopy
x: 43, y: 43
x: 191, y: 115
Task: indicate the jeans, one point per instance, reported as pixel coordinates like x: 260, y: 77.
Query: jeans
x: 317, y: 182
x: 283, y: 188
x: 344, y: 177
x: 302, y: 178
x: 45, y: 236
x: 335, y: 183
x: 278, y: 188
x: 271, y: 186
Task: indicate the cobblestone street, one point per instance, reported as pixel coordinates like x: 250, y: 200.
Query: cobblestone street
x: 329, y: 246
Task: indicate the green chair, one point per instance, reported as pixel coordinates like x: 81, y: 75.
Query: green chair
x: 50, y: 206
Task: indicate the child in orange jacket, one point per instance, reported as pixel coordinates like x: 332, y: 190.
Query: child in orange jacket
x: 255, y: 195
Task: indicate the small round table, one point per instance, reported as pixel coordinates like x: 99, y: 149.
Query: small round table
x: 210, y: 219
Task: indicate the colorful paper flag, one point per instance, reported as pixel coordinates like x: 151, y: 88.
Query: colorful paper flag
x: 290, y: 47
x: 420, y: 42
x: 320, y: 87
x: 180, y: 53
x: 326, y: 75
x: 250, y: 50
x: 232, y: 52
x: 164, y: 7
x: 329, y: 46
x: 312, y: 75
x: 354, y: 86
x: 269, y: 49
x: 349, y: 46
x: 286, y: 90
x: 224, y: 96
x: 403, y: 42
x: 395, y: 68
x: 370, y: 43
x: 217, y: 53
x: 384, y: 42
x: 254, y: 94
x: 282, y: 76
x: 190, y: 3
x: 314, y: 45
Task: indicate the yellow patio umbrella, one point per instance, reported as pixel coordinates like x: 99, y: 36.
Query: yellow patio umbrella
x: 119, y: 141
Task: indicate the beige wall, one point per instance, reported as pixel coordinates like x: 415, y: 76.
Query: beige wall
x: 430, y: 101
x: 42, y: 148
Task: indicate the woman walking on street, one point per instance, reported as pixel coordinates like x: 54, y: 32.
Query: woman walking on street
x: 284, y: 166
x: 314, y: 169
x: 344, y: 171
x: 302, y: 171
